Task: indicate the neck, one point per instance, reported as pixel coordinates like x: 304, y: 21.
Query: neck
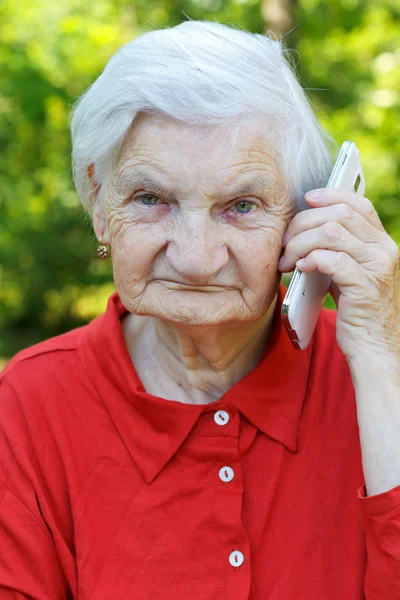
x: 194, y: 365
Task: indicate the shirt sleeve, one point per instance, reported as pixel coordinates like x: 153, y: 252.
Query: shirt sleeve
x: 29, y: 566
x: 381, y: 518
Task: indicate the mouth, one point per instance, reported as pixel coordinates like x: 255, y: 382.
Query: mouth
x: 177, y: 285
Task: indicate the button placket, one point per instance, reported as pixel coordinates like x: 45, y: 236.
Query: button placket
x: 226, y: 475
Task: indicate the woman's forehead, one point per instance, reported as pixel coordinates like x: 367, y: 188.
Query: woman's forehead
x: 160, y: 142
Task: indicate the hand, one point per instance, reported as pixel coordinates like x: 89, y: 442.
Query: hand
x: 343, y: 237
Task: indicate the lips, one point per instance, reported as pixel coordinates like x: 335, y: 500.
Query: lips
x: 171, y: 283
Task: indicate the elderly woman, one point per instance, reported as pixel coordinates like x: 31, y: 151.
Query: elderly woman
x: 178, y: 446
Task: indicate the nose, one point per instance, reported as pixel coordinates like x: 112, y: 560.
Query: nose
x: 196, y: 250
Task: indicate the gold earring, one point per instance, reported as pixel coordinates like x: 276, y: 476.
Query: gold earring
x: 103, y: 251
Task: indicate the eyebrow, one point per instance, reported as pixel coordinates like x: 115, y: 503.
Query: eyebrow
x: 141, y: 178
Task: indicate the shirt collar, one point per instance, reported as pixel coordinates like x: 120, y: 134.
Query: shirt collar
x: 271, y: 396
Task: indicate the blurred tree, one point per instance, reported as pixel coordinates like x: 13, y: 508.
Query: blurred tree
x: 50, y: 280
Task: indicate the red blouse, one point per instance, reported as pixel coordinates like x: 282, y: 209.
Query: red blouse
x: 109, y: 493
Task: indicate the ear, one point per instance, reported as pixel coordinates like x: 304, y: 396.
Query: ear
x: 100, y: 225
x: 95, y: 187
x: 99, y: 217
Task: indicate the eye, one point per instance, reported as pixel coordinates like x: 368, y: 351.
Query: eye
x: 149, y: 200
x: 243, y: 207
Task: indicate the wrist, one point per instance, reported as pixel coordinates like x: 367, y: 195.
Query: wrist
x: 371, y: 365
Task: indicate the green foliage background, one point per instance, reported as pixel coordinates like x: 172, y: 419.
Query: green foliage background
x: 50, y: 52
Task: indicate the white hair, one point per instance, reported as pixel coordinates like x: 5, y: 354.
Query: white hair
x: 201, y: 73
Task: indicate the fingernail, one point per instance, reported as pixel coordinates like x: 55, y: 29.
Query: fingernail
x: 314, y: 194
x: 300, y: 263
x: 281, y: 262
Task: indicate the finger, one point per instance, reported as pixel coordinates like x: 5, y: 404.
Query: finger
x: 344, y: 270
x: 329, y: 196
x: 342, y: 213
x: 330, y: 236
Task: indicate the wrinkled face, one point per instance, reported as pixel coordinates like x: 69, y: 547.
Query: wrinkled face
x: 195, y: 221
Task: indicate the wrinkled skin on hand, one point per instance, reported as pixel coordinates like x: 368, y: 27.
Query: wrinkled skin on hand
x: 343, y: 236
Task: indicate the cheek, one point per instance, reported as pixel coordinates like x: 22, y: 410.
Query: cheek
x: 260, y: 271
x: 259, y: 256
x: 134, y: 248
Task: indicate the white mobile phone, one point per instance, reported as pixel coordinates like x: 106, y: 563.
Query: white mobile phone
x: 307, y: 291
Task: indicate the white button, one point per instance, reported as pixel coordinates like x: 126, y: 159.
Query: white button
x: 236, y: 558
x: 226, y: 474
x: 221, y: 417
